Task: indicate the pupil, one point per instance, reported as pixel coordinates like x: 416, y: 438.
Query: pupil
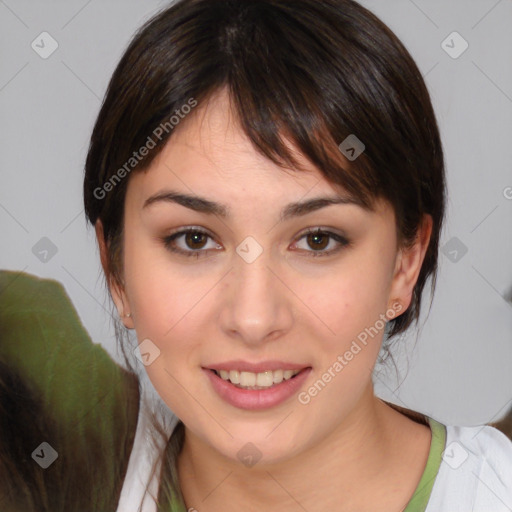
x: 193, y: 238
x: 316, y: 238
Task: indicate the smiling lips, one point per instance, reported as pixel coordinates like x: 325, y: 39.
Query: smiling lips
x: 256, y: 386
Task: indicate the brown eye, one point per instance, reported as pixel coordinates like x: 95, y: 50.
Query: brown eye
x: 195, y: 239
x: 192, y: 242
x: 318, y: 241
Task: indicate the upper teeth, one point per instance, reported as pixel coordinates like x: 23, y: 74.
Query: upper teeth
x: 263, y: 379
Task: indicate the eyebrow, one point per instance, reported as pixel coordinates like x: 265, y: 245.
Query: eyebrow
x: 203, y: 205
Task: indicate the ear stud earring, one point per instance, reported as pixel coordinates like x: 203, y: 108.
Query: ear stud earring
x: 128, y: 315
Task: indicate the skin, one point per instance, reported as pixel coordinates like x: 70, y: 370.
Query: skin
x: 345, y: 449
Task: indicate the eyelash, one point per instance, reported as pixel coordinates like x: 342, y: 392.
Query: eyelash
x: 168, y: 242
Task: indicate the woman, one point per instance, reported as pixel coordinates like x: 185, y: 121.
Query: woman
x: 266, y: 180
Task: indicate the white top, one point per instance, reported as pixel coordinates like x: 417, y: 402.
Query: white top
x: 475, y: 474
x: 144, y: 455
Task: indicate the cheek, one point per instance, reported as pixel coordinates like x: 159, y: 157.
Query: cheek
x: 162, y: 296
x: 173, y: 317
x: 166, y: 311
x: 348, y: 301
x: 351, y: 307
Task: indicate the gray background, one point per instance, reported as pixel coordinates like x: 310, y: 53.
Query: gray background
x: 459, y: 369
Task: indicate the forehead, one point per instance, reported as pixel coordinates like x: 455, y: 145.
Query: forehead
x: 209, y: 152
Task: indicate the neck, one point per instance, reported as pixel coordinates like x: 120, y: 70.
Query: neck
x: 343, y: 471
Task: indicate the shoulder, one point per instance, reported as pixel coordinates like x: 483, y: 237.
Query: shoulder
x: 485, y: 440
x: 475, y: 472
x: 485, y: 447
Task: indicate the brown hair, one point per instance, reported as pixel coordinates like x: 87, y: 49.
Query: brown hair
x: 312, y: 72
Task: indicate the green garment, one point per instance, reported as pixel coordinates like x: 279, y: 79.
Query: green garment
x: 419, y: 500
x: 57, y: 387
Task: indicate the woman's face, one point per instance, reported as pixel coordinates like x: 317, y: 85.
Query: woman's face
x: 256, y: 292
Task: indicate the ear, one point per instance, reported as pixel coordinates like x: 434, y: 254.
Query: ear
x: 116, y: 290
x: 408, y: 265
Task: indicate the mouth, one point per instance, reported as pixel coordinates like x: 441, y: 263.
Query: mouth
x: 256, y: 390
x: 256, y: 381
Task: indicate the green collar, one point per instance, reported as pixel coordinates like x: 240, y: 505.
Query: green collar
x: 421, y: 496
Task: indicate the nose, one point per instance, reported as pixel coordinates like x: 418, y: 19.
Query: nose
x: 256, y: 302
